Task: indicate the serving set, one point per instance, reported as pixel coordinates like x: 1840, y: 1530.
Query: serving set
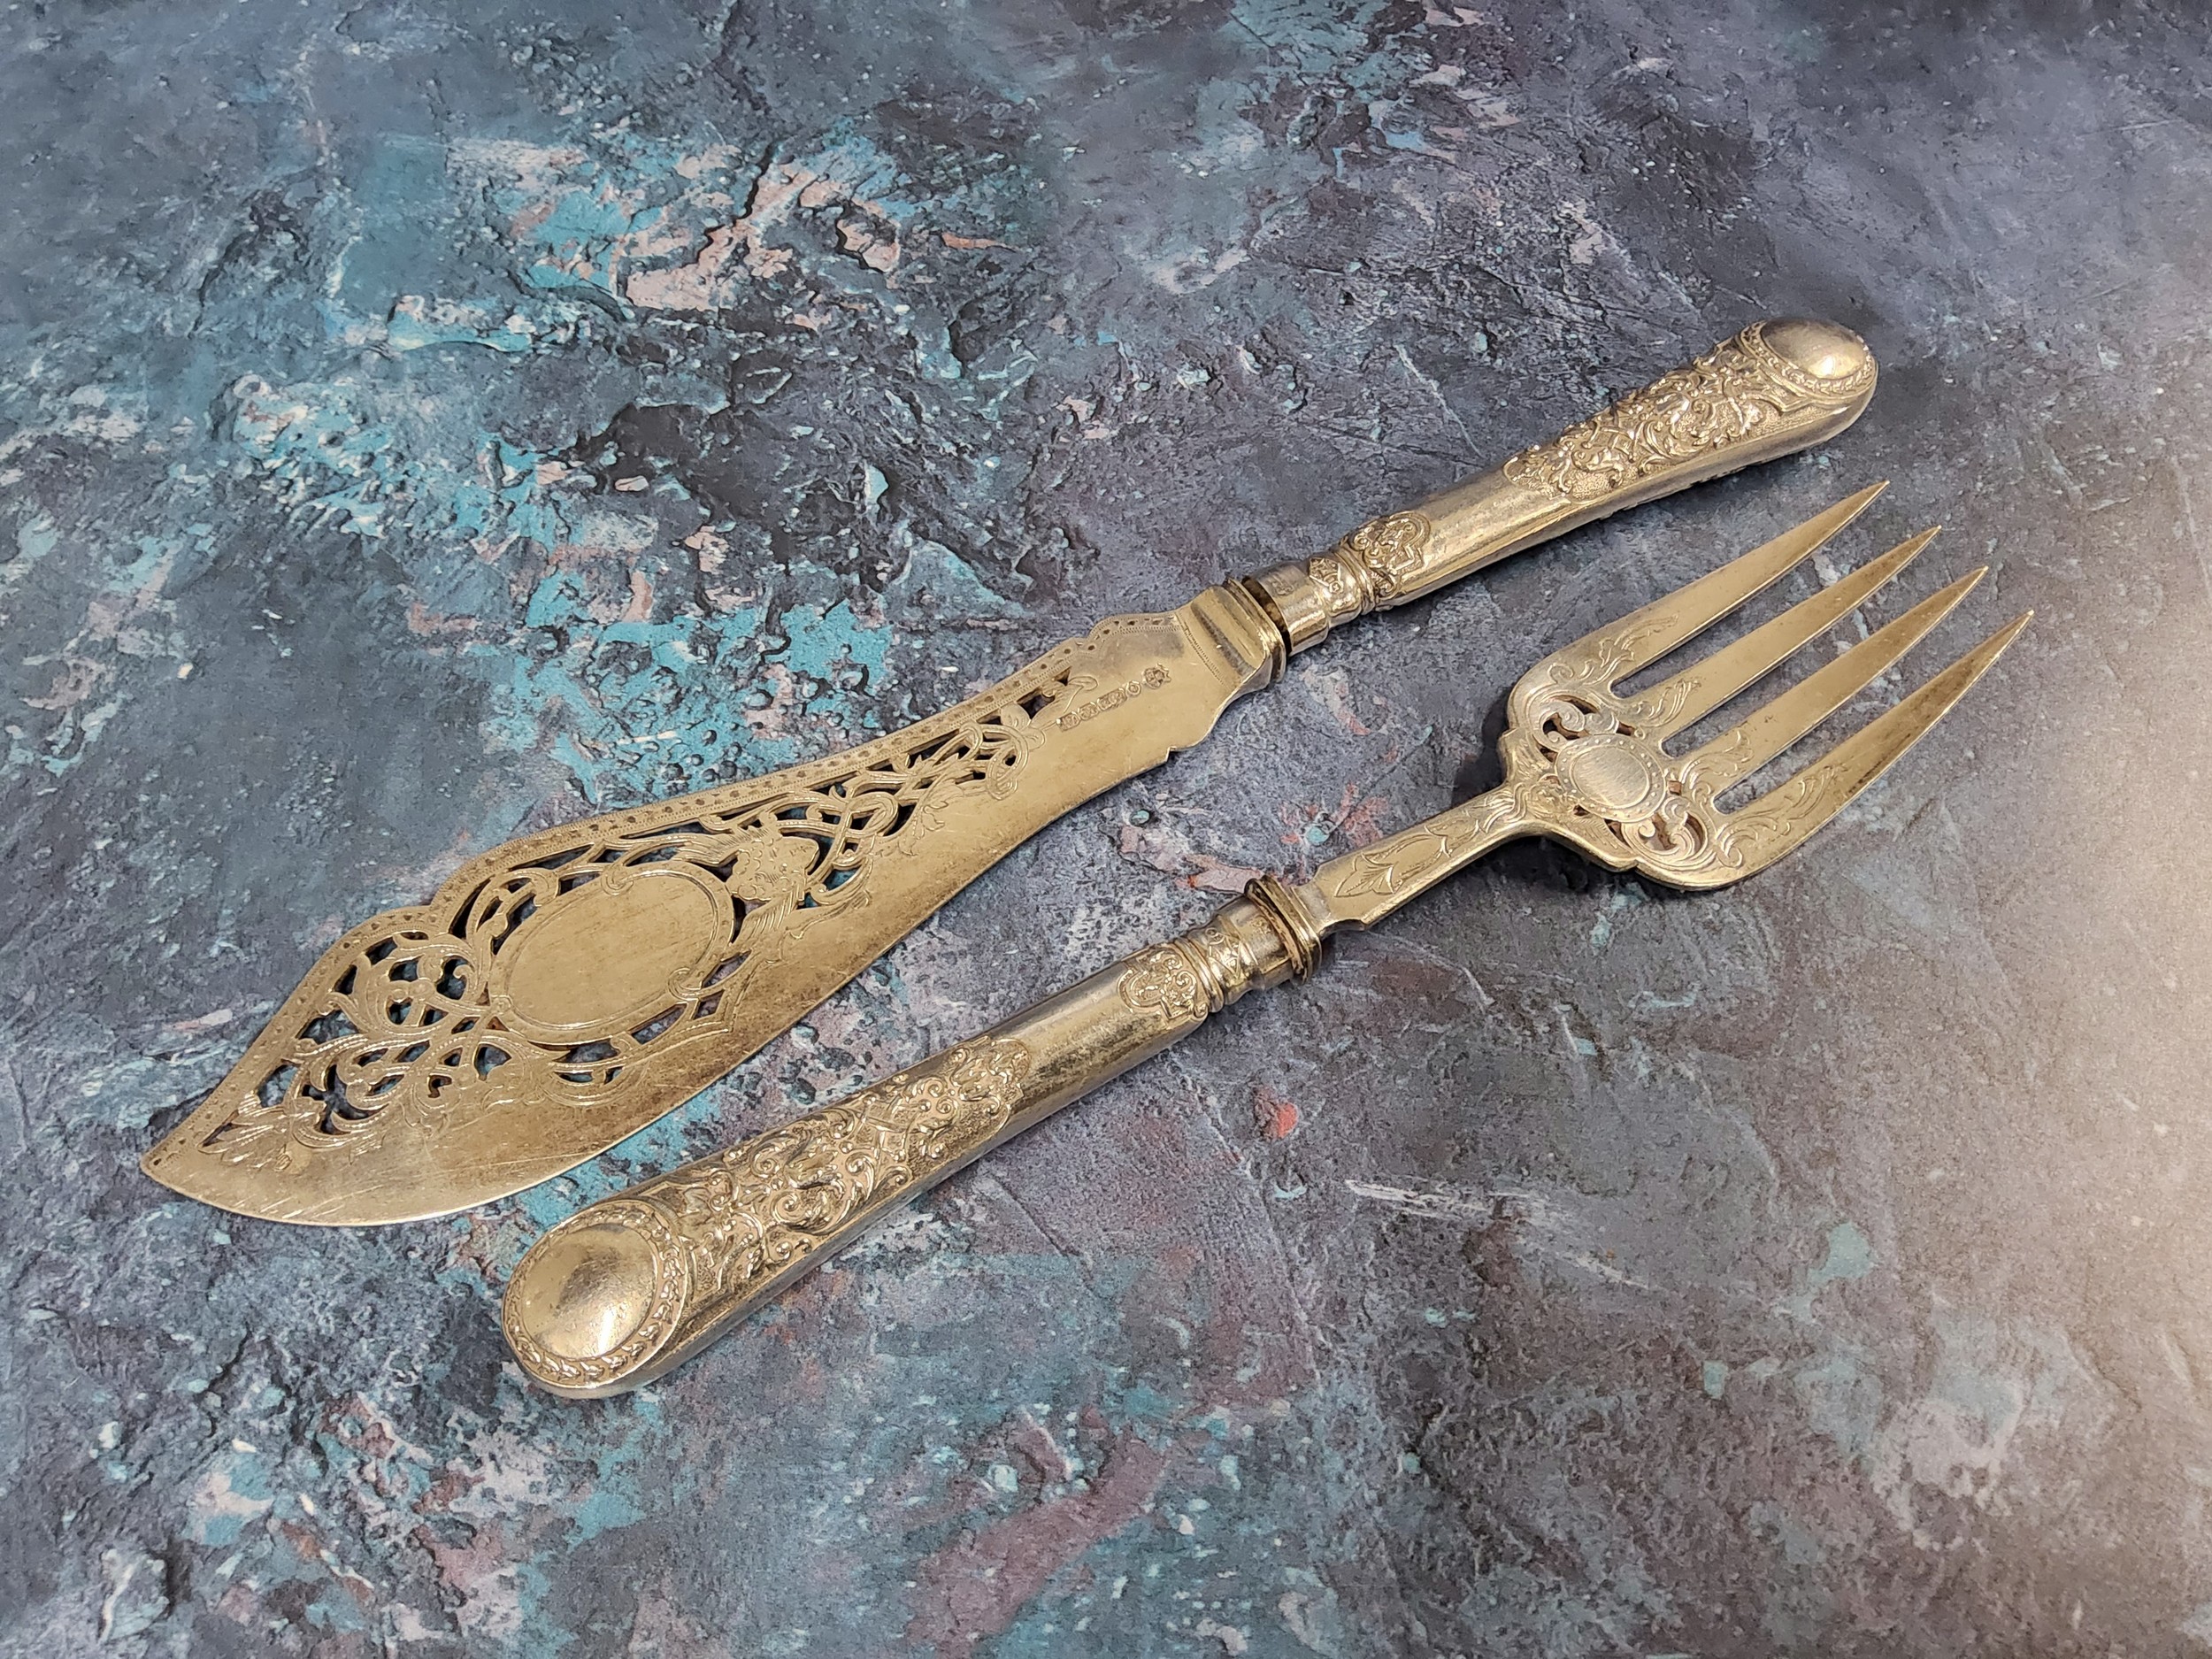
x: 567, y: 988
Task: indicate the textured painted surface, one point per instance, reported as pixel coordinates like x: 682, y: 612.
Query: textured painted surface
x: 417, y: 423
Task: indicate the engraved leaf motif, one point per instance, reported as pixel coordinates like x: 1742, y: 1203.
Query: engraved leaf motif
x: 1386, y: 867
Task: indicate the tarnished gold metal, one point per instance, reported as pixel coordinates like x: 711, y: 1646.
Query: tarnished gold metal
x: 623, y: 1290
x: 564, y: 990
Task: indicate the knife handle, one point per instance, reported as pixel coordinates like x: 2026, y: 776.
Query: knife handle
x: 1778, y: 387
x: 629, y: 1287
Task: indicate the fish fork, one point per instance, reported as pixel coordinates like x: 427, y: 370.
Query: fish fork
x: 632, y: 1286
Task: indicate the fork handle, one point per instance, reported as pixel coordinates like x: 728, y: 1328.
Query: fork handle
x: 629, y: 1287
x: 1779, y: 386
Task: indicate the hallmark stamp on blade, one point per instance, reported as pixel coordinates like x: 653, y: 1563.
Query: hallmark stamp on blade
x: 1151, y: 679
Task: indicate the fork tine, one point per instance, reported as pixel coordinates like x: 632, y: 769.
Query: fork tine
x: 1758, y: 738
x: 1644, y: 636
x: 1792, y: 810
x: 1689, y: 696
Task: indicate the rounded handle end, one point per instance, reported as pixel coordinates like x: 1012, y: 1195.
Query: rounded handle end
x: 593, y: 1303
x: 1824, y: 352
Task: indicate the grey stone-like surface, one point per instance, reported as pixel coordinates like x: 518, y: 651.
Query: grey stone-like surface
x: 1815, y: 1268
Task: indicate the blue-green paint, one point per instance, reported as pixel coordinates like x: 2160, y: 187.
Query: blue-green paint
x: 1842, y: 1399
x: 235, y: 1491
x: 1849, y: 1256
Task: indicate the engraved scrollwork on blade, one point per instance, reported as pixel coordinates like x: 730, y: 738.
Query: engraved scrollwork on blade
x: 1738, y: 387
x: 589, y: 954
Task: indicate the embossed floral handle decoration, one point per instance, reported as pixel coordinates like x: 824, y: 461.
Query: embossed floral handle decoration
x: 624, y: 1289
x: 562, y: 991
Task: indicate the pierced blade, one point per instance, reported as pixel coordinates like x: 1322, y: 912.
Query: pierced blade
x: 1642, y: 637
x: 1699, y: 689
x: 1758, y: 738
x: 1789, y: 812
x: 563, y: 991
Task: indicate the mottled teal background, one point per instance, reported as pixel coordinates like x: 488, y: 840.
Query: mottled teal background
x: 421, y: 422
